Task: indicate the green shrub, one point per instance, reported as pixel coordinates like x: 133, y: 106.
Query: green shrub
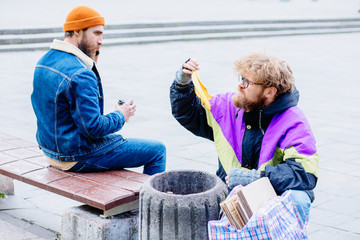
x: 2, y: 195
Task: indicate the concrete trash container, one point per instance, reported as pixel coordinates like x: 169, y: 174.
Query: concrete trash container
x: 178, y: 204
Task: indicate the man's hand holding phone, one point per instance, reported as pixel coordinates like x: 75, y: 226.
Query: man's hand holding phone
x: 127, y: 108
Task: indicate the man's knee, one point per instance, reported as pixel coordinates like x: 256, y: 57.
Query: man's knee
x: 303, y: 203
x: 162, y: 148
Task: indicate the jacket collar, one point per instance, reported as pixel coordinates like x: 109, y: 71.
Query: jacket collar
x: 283, y: 102
x: 262, y: 118
x: 69, y: 48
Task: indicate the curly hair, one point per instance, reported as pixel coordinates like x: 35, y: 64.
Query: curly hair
x: 269, y: 70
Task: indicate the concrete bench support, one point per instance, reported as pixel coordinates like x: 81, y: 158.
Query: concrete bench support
x: 6, y: 185
x: 83, y: 222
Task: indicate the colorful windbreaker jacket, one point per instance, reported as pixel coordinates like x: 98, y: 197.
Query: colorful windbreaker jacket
x: 288, y: 153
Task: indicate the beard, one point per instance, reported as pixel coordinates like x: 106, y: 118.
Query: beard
x: 85, y: 47
x: 247, y: 104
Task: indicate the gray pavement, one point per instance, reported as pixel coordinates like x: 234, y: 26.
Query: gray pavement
x: 325, y: 68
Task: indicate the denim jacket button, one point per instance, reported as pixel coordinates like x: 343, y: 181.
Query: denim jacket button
x: 57, y: 157
x: 62, y: 158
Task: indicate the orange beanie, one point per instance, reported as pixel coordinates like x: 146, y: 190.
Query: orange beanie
x: 82, y: 17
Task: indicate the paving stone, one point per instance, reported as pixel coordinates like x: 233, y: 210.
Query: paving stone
x: 13, y: 202
x: 190, y: 164
x: 317, y: 215
x: 40, y: 217
x: 313, y: 227
x: 331, y: 233
x: 333, y: 219
x: 322, y: 197
x: 29, y: 229
x: 341, y: 205
x: 353, y: 225
x: 6, y: 145
x: 17, y: 233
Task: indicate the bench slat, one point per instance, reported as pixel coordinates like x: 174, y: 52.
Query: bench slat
x: 20, y: 160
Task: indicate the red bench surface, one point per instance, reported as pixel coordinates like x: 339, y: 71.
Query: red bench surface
x: 23, y: 161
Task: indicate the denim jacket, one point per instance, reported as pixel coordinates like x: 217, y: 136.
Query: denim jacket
x: 68, y: 102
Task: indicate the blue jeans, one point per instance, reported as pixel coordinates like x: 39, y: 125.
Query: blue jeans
x: 132, y: 152
x: 303, y: 203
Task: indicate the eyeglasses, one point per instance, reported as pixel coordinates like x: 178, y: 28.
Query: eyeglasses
x: 246, y: 82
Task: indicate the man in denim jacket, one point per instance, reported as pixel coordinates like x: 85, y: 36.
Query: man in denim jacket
x: 68, y: 101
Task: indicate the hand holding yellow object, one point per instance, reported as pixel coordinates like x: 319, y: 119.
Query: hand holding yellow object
x: 191, y: 66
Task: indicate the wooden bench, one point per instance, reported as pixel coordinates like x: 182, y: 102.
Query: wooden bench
x: 113, y: 192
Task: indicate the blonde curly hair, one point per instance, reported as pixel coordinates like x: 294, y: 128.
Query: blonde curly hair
x: 269, y: 70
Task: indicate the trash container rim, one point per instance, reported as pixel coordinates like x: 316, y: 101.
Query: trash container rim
x: 178, y: 196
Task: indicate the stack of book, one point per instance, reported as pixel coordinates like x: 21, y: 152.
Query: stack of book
x: 240, y: 207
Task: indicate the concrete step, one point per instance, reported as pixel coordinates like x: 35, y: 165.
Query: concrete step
x: 122, y: 34
x: 183, y: 30
x: 218, y: 36
x: 17, y: 31
x: 194, y: 30
x: 195, y: 37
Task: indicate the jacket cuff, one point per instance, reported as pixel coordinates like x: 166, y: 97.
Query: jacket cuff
x: 183, y: 88
x: 182, y: 78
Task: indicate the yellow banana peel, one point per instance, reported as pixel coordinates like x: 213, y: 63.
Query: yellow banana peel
x: 200, y: 90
